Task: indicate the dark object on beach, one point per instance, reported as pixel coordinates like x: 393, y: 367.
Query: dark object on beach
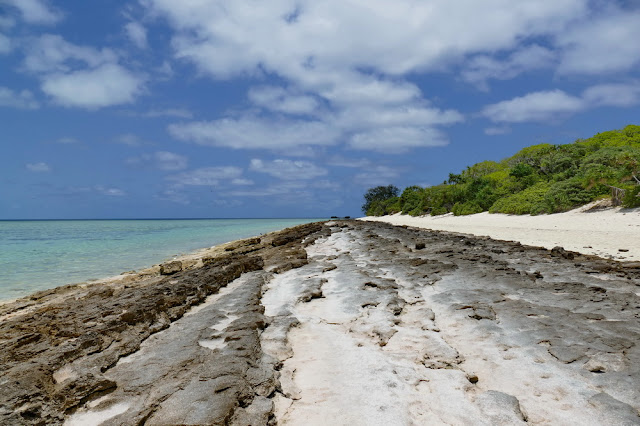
x: 558, y: 251
x: 420, y: 246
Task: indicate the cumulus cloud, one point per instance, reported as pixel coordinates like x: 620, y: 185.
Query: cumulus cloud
x: 397, y: 139
x: 21, y: 100
x: 618, y: 95
x: 137, y: 34
x: 368, y: 75
x: 555, y: 104
x: 161, y: 160
x: 207, y: 176
x: 35, y: 11
x: 288, y: 169
x: 38, y: 167
x: 538, y: 106
x: 99, y: 82
x: 51, y: 53
x: 279, y: 99
x: 107, y: 85
x: 602, y: 45
x: 255, y: 132
x: 482, y: 68
x: 394, y: 39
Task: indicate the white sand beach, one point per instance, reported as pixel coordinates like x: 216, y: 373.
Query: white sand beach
x: 610, y: 233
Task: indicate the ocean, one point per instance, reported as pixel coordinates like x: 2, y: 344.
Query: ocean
x: 43, y: 254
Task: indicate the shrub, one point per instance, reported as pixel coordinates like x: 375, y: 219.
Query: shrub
x: 529, y: 201
x: 470, y: 207
x: 631, y: 197
x: 566, y: 195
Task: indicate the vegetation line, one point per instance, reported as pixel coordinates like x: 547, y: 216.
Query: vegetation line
x: 538, y: 179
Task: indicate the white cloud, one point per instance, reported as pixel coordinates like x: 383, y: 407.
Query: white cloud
x: 405, y: 36
x: 365, y: 117
x: 354, y: 63
x: 278, y: 99
x: 288, y: 169
x: 537, y: 106
x: 107, y: 85
x: 256, y: 133
x: 162, y: 160
x: 618, y: 95
x: 481, y: 68
x: 81, y: 76
x: 38, y: 167
x: 397, y: 139
x: 21, y: 100
x: 51, y: 54
x: 35, y: 11
x: 137, y: 33
x: 207, y: 176
x: 556, y: 104
x: 602, y: 45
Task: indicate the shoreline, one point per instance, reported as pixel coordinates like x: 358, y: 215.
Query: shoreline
x: 612, y: 233
x: 143, y: 269
x: 339, y: 322
x: 188, y: 262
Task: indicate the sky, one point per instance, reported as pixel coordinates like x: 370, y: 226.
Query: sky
x: 291, y: 108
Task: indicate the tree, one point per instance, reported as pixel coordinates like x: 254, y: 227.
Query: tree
x: 377, y: 195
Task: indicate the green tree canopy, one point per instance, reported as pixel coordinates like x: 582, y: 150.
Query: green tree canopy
x: 378, y: 194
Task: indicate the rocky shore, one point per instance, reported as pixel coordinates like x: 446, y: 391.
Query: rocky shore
x: 342, y: 322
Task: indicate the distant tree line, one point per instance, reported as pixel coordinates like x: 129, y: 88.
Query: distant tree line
x: 538, y: 179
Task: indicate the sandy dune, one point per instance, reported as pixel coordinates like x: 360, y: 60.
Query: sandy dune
x: 613, y: 233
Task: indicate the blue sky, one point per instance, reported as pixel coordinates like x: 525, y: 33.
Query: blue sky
x: 291, y: 108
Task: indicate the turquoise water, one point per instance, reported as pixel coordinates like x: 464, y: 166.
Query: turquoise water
x: 37, y: 255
